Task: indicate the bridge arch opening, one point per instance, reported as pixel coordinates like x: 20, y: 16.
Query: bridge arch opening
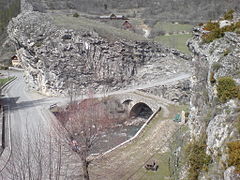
x: 141, y: 110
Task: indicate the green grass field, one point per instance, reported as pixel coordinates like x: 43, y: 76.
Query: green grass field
x: 170, y: 27
x: 5, y: 80
x: 162, y: 172
x: 105, y: 30
x: 175, y: 41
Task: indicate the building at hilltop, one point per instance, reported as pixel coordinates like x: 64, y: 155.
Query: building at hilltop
x: 114, y: 17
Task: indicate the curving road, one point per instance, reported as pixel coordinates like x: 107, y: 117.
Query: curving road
x: 29, y: 117
x: 27, y: 108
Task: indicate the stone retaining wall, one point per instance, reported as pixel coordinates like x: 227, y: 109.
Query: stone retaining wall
x: 2, y: 125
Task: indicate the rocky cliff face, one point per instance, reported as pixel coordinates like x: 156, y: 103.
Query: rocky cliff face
x: 58, y: 60
x: 179, y: 91
x: 208, y: 115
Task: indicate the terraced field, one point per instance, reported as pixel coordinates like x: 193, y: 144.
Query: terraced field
x: 177, y: 41
x: 105, y: 30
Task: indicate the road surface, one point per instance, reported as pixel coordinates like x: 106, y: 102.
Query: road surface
x: 30, y: 126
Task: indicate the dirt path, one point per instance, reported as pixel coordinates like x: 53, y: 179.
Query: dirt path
x: 125, y: 162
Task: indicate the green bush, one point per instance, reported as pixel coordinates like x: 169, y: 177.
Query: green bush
x: 237, y: 124
x: 76, y: 15
x: 216, y: 66
x: 216, y: 32
x: 211, y: 36
x: 230, y: 28
x: 227, y: 89
x: 237, y: 28
x: 226, y: 52
x: 197, y: 158
x: 229, y: 15
x: 3, y: 68
x: 234, y: 155
x: 211, y: 26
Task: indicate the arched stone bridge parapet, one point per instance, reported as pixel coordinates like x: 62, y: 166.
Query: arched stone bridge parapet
x: 132, y: 100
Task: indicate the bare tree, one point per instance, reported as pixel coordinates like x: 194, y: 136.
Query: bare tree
x: 35, y: 155
x: 84, y: 123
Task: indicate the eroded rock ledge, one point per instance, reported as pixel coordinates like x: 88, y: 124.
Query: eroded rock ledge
x: 56, y: 59
x: 210, y: 117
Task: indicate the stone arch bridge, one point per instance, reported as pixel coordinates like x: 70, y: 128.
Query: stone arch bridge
x: 136, y: 101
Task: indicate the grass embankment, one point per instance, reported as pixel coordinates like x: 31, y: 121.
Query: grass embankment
x: 107, y: 30
x: 172, y: 27
x: 177, y: 41
x: 103, y: 29
x: 127, y: 162
x: 5, y: 80
x: 176, y: 35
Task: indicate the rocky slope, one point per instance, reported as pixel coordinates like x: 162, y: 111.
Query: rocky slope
x: 58, y: 60
x: 211, y: 118
x: 174, y: 10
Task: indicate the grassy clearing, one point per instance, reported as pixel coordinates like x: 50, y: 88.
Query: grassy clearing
x: 103, y: 29
x: 162, y: 172
x: 170, y: 27
x: 175, y: 41
x: 5, y: 80
x: 128, y: 161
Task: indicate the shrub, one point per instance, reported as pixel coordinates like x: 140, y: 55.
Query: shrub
x: 217, y: 32
x: 230, y: 28
x: 76, y: 15
x: 3, y: 68
x: 212, y: 79
x: 226, y: 52
x: 197, y: 158
x: 234, y: 155
x: 211, y: 26
x: 228, y: 15
x: 237, y: 27
x: 209, y: 37
x: 238, y: 124
x: 227, y: 89
x: 216, y: 66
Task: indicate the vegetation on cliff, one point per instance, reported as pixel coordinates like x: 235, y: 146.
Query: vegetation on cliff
x: 215, y: 31
x: 234, y: 155
x: 197, y: 158
x: 227, y: 89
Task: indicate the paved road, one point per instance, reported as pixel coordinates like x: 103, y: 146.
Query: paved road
x: 27, y: 106
x: 28, y: 110
x: 30, y: 128
x: 41, y: 100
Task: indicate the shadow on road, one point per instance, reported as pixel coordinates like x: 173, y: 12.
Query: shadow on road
x: 14, y: 105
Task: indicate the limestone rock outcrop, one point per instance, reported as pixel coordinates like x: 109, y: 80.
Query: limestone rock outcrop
x: 58, y: 60
x: 209, y: 116
x: 179, y: 91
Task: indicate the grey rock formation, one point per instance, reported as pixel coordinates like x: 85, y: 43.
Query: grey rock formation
x: 209, y: 116
x: 59, y: 60
x: 230, y: 174
x: 179, y: 91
